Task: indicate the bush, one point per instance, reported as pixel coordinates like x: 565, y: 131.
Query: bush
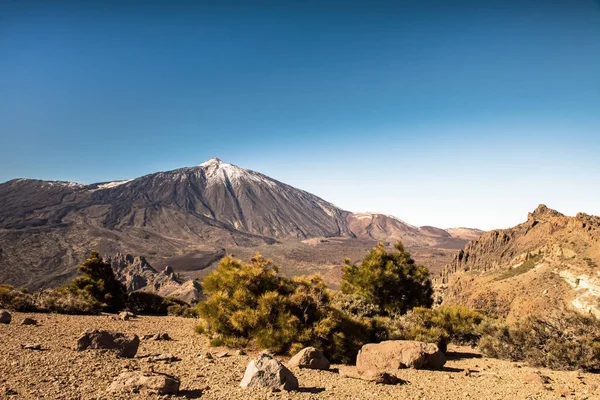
x: 97, y: 281
x: 147, y: 303
x: 16, y: 299
x: 66, y: 301
x: 566, y: 341
x: 390, y: 281
x: 180, y: 308
x: 251, y: 304
x: 442, y: 325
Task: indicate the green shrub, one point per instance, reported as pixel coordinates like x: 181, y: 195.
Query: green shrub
x: 390, y: 281
x: 67, y: 301
x: 16, y: 299
x: 180, y: 308
x: 566, y: 341
x: 147, y: 303
x: 250, y: 304
x: 442, y: 325
x: 98, y: 281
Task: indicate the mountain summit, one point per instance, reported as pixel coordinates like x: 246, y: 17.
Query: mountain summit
x: 189, y: 217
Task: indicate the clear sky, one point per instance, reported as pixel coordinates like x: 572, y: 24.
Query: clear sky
x: 445, y: 113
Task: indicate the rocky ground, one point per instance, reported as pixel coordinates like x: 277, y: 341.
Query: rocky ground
x: 58, y: 371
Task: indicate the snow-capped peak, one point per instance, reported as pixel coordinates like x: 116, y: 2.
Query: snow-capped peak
x: 218, y: 171
x: 211, y: 162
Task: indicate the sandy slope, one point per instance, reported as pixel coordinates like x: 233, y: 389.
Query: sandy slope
x: 60, y: 372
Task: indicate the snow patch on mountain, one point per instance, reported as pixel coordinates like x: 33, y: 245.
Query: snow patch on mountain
x: 112, y: 184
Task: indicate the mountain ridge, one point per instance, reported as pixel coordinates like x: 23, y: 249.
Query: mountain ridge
x: 188, y: 216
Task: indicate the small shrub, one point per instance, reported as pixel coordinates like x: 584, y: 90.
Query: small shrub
x: 67, y: 301
x: 391, y: 281
x: 529, y: 264
x: 567, y: 341
x: 16, y: 299
x: 147, y: 303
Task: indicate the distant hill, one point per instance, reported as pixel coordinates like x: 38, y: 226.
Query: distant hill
x: 187, y: 218
x: 552, y: 261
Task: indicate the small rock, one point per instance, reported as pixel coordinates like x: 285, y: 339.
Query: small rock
x: 467, y: 372
x: 223, y: 354
x: 241, y: 352
x: 536, y: 378
x: 5, y: 317
x: 382, y: 378
x: 29, y: 321
x: 150, y: 382
x: 126, y: 315
x: 268, y: 372
x: 10, y: 392
x: 32, y: 346
x: 125, y: 345
x: 206, y: 356
x: 311, y: 358
x: 168, y: 357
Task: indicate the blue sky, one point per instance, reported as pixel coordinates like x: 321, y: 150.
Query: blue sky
x: 445, y: 113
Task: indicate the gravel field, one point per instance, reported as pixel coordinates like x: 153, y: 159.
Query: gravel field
x: 58, y: 371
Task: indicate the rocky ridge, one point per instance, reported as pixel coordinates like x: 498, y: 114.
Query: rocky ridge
x: 551, y: 261
x: 138, y: 275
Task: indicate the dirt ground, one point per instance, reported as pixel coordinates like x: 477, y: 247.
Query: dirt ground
x: 60, y: 372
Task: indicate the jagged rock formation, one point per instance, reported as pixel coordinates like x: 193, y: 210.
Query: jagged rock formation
x: 137, y: 274
x: 550, y: 261
x: 187, y: 218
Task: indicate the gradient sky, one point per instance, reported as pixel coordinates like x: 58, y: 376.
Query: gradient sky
x: 444, y: 113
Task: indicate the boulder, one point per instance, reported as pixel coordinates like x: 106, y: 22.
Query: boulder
x: 382, y: 378
x: 29, y: 321
x: 392, y: 355
x: 148, y: 382
x: 268, y: 372
x: 309, y: 357
x: 5, y: 317
x: 124, y: 345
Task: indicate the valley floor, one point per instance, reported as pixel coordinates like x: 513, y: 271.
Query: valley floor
x: 60, y: 372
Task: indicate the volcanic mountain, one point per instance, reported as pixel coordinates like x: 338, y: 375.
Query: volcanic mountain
x: 549, y: 262
x: 187, y: 218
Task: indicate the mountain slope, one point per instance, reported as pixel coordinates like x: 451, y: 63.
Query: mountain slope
x: 188, y: 218
x: 549, y: 262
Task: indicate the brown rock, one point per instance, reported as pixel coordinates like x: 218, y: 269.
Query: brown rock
x: 268, y: 372
x: 125, y: 345
x: 32, y: 346
x: 29, y: 321
x: 149, y: 382
x: 5, y: 317
x: 392, y: 355
x: 379, y: 377
x: 536, y: 377
x: 311, y: 358
x: 126, y: 315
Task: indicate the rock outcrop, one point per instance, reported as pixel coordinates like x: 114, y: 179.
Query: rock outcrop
x: 392, y: 355
x: 549, y: 262
x: 268, y: 372
x: 310, y: 358
x: 138, y: 275
x: 123, y: 345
